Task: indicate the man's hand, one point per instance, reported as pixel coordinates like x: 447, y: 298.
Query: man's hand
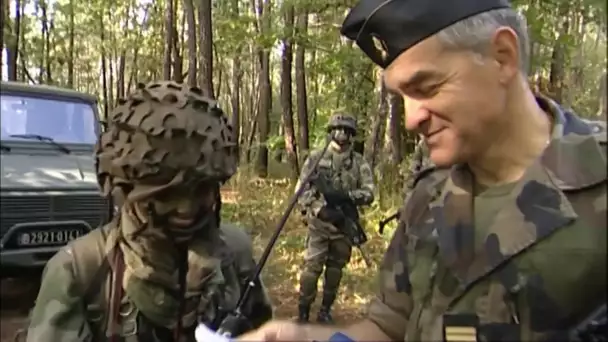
x: 336, y: 197
x: 276, y: 331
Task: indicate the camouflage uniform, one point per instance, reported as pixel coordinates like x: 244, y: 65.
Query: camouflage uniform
x: 140, y: 279
x: 325, y: 245
x: 536, y: 265
x: 420, y: 161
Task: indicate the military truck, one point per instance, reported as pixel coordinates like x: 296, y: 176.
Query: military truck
x: 49, y: 194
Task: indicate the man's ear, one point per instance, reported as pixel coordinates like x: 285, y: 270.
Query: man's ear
x: 504, y: 49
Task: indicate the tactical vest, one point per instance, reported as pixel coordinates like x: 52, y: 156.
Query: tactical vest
x: 97, y: 278
x: 348, y: 173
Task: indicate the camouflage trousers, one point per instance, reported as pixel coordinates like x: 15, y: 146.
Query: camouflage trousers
x: 323, y: 251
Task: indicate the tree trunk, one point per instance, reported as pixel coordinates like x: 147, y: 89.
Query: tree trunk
x: 374, y: 144
x: 4, y: 17
x: 104, y: 78
x: 603, y: 99
x: 235, y: 98
x: 111, y: 59
x: 265, y: 104
x: 558, y: 58
x: 169, y: 18
x: 178, y: 62
x: 301, y: 96
x: 12, y: 47
x: 21, y: 60
x: 286, y: 98
x: 122, y: 59
x: 71, y: 45
x: 41, y: 13
x: 190, y: 18
x: 206, y: 46
x: 395, y: 129
x: 47, y: 27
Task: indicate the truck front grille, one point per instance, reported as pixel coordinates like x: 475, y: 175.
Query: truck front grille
x: 20, y: 209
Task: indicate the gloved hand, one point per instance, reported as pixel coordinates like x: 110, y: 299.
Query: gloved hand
x: 331, y: 215
x: 336, y: 196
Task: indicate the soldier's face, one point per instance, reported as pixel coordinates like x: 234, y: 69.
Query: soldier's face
x: 182, y: 206
x: 341, y: 136
x: 455, y: 99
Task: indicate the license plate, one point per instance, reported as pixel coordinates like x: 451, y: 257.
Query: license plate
x: 48, y: 237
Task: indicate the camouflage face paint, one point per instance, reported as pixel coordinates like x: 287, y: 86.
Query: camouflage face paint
x: 341, y: 136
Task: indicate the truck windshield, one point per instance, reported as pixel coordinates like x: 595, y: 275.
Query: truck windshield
x: 62, y: 120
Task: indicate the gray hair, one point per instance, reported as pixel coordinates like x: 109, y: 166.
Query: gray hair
x: 474, y: 33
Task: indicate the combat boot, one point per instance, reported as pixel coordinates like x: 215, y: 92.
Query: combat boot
x: 324, y: 315
x: 303, y: 314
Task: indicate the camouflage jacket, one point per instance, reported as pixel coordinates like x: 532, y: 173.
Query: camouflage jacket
x: 75, y: 294
x: 348, y: 172
x: 420, y: 162
x: 542, y: 266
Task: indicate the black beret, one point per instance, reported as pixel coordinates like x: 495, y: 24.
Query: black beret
x: 400, y: 24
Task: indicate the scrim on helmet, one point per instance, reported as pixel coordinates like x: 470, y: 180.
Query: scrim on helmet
x: 164, y: 133
x: 341, y: 120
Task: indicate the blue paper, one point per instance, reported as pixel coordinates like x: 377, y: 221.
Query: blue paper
x: 340, y: 337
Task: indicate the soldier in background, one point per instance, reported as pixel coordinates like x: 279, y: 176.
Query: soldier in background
x: 326, y: 245
x: 165, y: 262
x: 420, y: 162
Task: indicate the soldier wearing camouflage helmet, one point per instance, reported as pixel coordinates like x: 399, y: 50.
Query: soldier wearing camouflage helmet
x: 507, y: 239
x: 165, y: 263
x: 326, y: 247
x: 420, y: 161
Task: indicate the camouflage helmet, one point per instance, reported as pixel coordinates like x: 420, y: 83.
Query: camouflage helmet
x: 341, y: 120
x: 164, y: 134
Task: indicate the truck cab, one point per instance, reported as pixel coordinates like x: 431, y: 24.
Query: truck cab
x: 49, y: 193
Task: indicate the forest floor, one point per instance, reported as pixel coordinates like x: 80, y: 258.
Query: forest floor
x: 257, y: 206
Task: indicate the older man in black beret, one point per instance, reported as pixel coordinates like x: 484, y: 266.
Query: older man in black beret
x: 498, y: 243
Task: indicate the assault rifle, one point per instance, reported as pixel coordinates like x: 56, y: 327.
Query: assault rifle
x: 235, y: 322
x: 340, y: 201
x: 386, y: 221
x: 417, y: 176
x: 593, y: 328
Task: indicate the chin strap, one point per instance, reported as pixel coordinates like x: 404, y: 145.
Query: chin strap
x: 218, y: 204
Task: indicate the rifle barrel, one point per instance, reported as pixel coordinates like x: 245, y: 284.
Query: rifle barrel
x: 384, y: 222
